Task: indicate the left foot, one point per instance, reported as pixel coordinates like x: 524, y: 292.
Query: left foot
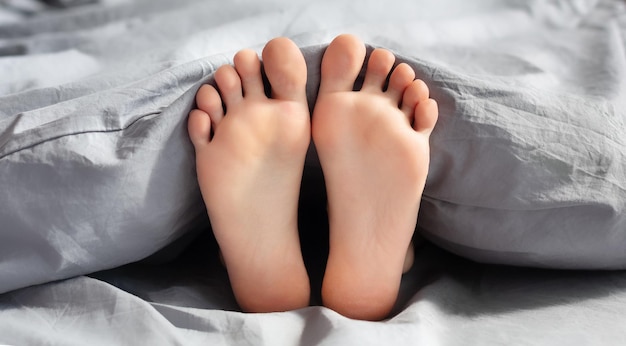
x: 374, y: 151
x: 250, y: 172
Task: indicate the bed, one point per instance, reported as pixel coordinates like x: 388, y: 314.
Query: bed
x: 104, y: 239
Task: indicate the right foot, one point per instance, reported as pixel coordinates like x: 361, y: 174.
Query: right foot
x: 250, y: 172
x: 374, y: 151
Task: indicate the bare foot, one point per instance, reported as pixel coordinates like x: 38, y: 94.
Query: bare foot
x: 250, y: 171
x: 374, y: 151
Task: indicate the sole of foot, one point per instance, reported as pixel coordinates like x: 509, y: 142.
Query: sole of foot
x: 250, y: 152
x: 373, y: 146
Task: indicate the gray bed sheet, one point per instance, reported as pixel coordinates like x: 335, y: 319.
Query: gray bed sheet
x: 80, y: 273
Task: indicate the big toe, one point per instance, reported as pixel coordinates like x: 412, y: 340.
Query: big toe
x: 341, y: 64
x: 285, y: 69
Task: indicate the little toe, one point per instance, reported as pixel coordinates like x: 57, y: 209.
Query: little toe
x: 415, y: 92
x: 378, y: 67
x: 248, y: 67
x: 401, y: 77
x: 285, y: 69
x: 209, y: 101
x: 199, y: 128
x: 426, y: 114
x: 341, y: 64
x: 229, y: 84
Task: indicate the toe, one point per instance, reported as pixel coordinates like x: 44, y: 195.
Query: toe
x: 248, y: 67
x: 199, y: 128
x: 426, y: 114
x: 378, y: 67
x: 285, y: 69
x: 400, y: 79
x: 415, y: 92
x: 229, y: 84
x: 210, y: 102
x: 341, y: 64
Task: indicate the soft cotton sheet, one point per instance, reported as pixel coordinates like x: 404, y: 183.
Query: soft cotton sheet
x: 527, y: 169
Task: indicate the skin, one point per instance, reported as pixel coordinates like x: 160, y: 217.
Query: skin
x: 373, y: 146
x: 250, y: 173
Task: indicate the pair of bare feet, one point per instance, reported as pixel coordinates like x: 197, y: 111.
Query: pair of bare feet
x: 373, y: 145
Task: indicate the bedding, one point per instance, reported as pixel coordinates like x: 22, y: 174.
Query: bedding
x: 104, y: 238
